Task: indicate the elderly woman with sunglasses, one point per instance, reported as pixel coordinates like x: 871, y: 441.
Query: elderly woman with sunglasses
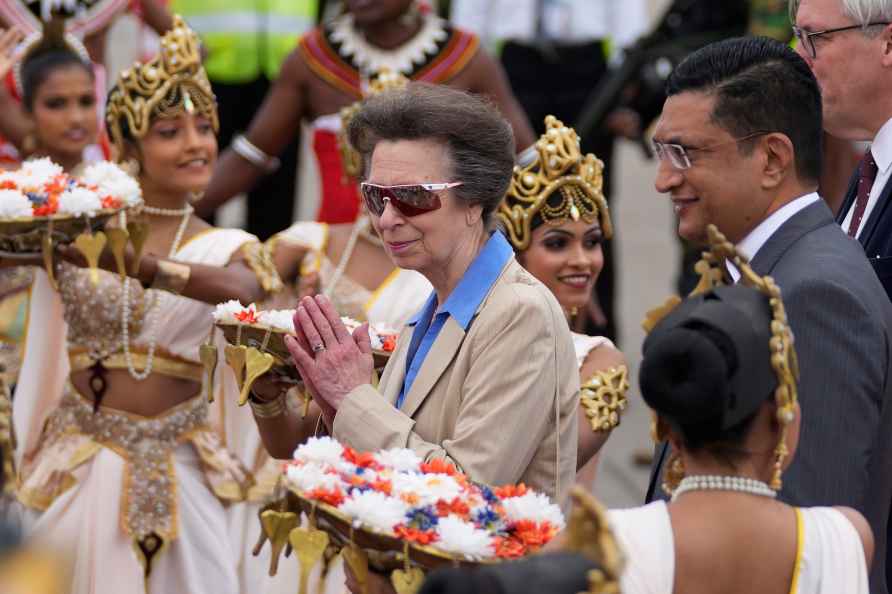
x: 484, y: 376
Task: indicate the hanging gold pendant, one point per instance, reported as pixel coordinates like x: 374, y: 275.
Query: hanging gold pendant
x: 277, y: 526
x: 117, y: 243
x: 208, y: 355
x: 359, y: 564
x: 138, y: 232
x: 46, y: 245
x: 407, y: 581
x: 257, y: 364
x: 235, y: 356
x: 91, y: 246
x: 310, y: 546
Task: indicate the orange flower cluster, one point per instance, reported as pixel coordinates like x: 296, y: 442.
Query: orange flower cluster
x: 510, y: 491
x: 414, y: 535
x: 439, y: 466
x: 247, y: 316
x: 455, y: 507
x: 333, y: 497
x: 363, y: 460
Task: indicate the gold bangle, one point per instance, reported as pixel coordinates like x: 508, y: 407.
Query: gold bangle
x: 259, y: 258
x: 603, y: 397
x: 171, y: 276
x: 268, y: 410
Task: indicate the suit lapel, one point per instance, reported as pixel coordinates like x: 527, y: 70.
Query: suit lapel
x: 396, y: 367
x: 440, y: 356
x: 808, y: 219
x: 879, y: 209
x: 851, y: 194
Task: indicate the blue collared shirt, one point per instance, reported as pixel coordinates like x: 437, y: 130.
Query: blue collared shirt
x: 461, y: 305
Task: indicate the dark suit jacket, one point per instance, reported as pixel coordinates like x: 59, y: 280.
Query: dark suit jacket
x: 876, y: 236
x: 842, y: 326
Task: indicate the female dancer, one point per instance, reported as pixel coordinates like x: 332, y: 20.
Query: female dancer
x: 555, y: 216
x: 118, y: 459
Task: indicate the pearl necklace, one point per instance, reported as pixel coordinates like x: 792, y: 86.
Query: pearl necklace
x: 151, y: 309
x: 359, y: 226
x: 723, y: 483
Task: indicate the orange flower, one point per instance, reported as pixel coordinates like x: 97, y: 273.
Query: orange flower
x: 382, y: 486
x: 363, y: 460
x: 8, y: 185
x: 414, y: 535
x: 111, y: 202
x: 510, y: 491
x: 389, y: 343
x: 410, y: 498
x: 438, y: 466
x: 455, y: 507
x: 533, y: 534
x: 509, y: 548
x: 330, y: 496
x: 57, y: 184
x: 247, y: 316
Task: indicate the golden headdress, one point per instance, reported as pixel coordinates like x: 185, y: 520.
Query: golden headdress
x: 173, y: 82
x: 552, y: 179
x: 713, y: 271
x: 385, y: 80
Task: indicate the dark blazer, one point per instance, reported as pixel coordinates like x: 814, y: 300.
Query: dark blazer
x: 842, y: 325
x: 876, y: 237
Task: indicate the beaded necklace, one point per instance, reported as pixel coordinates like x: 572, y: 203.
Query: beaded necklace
x: 723, y: 483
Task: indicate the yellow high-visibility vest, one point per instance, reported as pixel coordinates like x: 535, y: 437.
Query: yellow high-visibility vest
x: 246, y: 38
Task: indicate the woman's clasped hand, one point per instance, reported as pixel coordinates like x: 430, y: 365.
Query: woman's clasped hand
x: 331, y: 360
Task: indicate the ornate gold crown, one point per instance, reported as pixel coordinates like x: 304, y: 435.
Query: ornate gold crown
x: 147, y: 90
x: 385, y: 80
x: 713, y: 271
x: 554, y: 164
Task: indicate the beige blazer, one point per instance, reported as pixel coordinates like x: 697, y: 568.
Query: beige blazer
x: 499, y: 401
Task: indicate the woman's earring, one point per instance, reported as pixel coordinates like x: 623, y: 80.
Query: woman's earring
x: 131, y: 167
x: 29, y: 143
x: 195, y: 197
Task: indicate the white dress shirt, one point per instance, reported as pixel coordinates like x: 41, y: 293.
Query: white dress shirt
x: 881, y: 149
x: 750, y: 245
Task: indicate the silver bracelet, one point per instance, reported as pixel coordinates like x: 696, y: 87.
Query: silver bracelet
x: 250, y: 153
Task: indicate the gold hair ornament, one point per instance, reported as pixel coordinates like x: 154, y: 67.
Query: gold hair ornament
x: 146, y: 91
x: 603, y: 397
x: 53, y: 34
x: 713, y: 272
x: 556, y: 164
x: 385, y: 80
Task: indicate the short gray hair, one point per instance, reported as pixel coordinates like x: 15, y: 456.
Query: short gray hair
x: 861, y: 12
x: 478, y: 140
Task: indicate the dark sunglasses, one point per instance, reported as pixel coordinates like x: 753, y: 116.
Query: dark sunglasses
x: 410, y: 199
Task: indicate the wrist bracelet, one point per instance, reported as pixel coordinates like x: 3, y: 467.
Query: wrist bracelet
x: 603, y: 397
x: 268, y: 410
x: 249, y: 152
x: 171, y: 276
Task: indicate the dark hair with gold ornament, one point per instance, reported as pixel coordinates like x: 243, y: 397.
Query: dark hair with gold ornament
x: 172, y: 83
x: 384, y: 80
x: 716, y: 356
x: 552, y: 183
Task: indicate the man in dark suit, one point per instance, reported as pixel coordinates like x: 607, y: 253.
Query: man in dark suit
x: 847, y: 46
x: 739, y: 141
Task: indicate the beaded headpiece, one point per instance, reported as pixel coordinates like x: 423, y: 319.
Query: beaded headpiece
x: 173, y: 82
x: 554, y: 181
x: 385, y: 80
x: 52, y: 37
x: 713, y: 271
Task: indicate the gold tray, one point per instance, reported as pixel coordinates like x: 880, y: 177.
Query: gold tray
x: 272, y: 341
x: 25, y: 236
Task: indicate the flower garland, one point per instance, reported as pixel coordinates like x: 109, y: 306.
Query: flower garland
x: 41, y: 188
x: 233, y: 312
x: 431, y: 503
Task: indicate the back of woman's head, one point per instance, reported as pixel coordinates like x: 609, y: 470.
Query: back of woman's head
x: 707, y: 366
x: 478, y: 139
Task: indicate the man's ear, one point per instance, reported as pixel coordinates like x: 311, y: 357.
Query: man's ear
x: 779, y: 160
x: 885, y: 39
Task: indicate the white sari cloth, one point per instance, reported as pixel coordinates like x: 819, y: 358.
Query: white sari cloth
x: 830, y: 555
x: 583, y: 344
x: 96, y: 483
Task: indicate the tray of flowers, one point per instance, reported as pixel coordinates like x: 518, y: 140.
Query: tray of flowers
x: 407, y: 515
x: 41, y: 206
x: 256, y: 341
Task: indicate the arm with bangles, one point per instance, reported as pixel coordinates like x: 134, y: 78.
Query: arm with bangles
x: 600, y: 359
x: 275, y: 125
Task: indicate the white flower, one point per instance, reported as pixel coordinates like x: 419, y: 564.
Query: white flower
x: 113, y: 181
x: 350, y: 323
x: 375, y: 510
x: 430, y: 488
x: 225, y: 312
x: 533, y: 506
x: 280, y: 319
x: 79, y: 201
x: 399, y: 459
x: 307, y: 477
x: 460, y: 537
x: 34, y: 174
x: 321, y: 450
x: 14, y: 205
